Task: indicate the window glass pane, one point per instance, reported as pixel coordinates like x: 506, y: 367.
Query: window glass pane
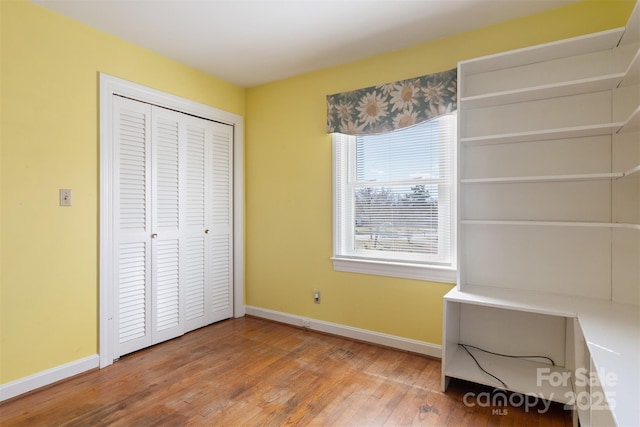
x: 397, y: 219
x: 412, y: 153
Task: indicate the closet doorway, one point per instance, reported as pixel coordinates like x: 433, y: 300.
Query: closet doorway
x: 170, y: 222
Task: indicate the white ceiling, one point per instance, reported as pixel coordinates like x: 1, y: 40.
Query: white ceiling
x: 250, y: 42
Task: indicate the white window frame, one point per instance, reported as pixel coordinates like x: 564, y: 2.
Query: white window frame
x: 346, y: 260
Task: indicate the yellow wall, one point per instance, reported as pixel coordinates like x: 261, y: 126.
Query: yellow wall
x: 288, y: 178
x: 49, y: 140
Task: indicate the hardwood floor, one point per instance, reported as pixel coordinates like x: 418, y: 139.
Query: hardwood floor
x: 253, y: 372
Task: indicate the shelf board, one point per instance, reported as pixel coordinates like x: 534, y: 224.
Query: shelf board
x: 632, y: 75
x: 520, y: 375
x: 574, y: 87
x: 535, y: 223
x: 537, y: 302
x: 515, y: 299
x: 540, y: 223
x: 543, y: 178
x: 545, y: 52
x: 545, y: 134
x: 625, y: 225
x: 632, y: 124
x: 632, y: 30
x: 634, y: 172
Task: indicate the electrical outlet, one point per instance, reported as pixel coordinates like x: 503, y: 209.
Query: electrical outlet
x: 306, y: 323
x: 316, y: 296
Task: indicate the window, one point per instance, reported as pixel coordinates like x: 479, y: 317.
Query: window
x: 394, y: 202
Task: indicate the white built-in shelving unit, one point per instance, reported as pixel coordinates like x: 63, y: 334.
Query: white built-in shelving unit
x: 549, y: 221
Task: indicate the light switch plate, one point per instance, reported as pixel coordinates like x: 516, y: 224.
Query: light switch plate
x: 65, y: 197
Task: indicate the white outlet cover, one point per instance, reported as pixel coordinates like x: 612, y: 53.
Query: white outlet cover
x: 65, y: 197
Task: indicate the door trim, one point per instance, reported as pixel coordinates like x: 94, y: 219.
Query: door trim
x: 110, y: 86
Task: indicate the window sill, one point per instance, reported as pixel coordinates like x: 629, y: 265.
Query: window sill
x: 395, y: 269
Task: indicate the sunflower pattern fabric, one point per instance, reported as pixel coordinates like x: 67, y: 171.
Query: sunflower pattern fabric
x: 392, y: 106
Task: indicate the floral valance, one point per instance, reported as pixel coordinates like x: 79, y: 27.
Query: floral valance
x: 392, y: 106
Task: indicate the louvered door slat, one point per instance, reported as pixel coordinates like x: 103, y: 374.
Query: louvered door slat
x: 133, y: 148
x: 166, y: 173
x: 221, y: 178
x: 133, y: 294
x: 195, y: 175
x: 220, y: 263
x: 194, y: 281
x: 167, y: 286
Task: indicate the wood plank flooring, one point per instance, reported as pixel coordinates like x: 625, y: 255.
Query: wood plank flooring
x: 253, y: 372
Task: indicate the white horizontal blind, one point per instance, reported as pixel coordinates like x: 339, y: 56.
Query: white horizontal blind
x: 394, y: 193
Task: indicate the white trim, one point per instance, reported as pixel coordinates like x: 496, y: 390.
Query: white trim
x: 379, y: 338
x: 49, y: 376
x: 395, y: 269
x: 110, y: 86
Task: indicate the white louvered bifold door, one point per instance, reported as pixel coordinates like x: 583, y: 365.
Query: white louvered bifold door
x: 166, y: 243
x: 132, y: 224
x: 196, y: 281
x: 208, y: 224
x: 220, y: 220
x: 173, y: 240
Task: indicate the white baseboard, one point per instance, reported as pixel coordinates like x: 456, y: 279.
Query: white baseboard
x: 393, y: 341
x: 50, y: 376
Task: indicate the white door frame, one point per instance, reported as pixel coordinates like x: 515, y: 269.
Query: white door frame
x: 110, y: 86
